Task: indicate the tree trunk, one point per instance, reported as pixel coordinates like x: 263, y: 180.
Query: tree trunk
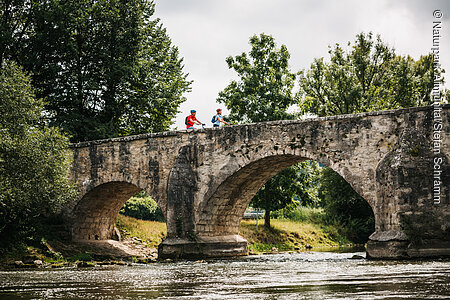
x: 267, y: 219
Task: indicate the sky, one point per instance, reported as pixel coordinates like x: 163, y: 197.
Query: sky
x: 208, y: 31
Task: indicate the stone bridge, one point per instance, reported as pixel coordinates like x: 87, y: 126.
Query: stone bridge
x: 203, y: 180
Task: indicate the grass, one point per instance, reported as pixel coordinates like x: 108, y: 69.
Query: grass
x: 301, y: 214
x: 150, y: 232
x: 285, y: 235
x: 39, y: 252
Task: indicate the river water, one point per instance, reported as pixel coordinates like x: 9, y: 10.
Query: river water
x: 308, y: 275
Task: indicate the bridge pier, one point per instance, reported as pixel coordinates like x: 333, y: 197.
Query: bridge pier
x: 203, y: 247
x: 397, y: 245
x: 387, y: 245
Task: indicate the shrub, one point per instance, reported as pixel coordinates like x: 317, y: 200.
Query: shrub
x: 142, y: 206
x: 343, y: 206
x: 34, y: 161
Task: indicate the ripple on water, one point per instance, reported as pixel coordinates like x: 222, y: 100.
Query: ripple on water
x: 309, y: 275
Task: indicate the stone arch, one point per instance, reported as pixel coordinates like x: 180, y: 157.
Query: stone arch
x: 221, y: 213
x: 96, y: 212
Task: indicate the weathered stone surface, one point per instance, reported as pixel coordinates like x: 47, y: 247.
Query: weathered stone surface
x: 391, y: 235
x: 203, y: 247
x: 203, y: 180
x: 392, y: 249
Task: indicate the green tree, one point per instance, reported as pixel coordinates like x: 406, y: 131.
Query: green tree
x: 291, y: 187
x: 264, y: 90
x: 104, y: 68
x: 264, y: 93
x: 368, y: 77
x: 344, y: 206
x: 14, y: 27
x: 34, y: 160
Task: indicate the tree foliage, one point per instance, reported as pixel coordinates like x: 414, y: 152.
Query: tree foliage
x: 14, y: 27
x: 291, y: 187
x: 344, y: 206
x: 264, y: 90
x: 143, y: 207
x: 104, y: 68
x: 368, y: 77
x: 34, y: 162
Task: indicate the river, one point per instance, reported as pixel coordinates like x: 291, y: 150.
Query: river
x: 307, y: 275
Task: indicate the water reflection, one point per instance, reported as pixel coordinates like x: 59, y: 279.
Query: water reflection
x: 314, y: 275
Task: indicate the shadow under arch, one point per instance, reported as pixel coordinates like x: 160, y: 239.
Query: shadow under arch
x: 95, y: 214
x: 221, y: 214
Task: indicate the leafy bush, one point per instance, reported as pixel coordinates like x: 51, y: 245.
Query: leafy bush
x: 142, y: 206
x: 34, y: 161
x: 343, y: 209
x: 343, y: 206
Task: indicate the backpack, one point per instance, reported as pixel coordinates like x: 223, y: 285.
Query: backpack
x: 213, y: 120
x: 185, y: 121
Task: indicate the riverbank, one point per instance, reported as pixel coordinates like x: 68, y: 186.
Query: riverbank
x: 139, y: 241
x: 287, y: 235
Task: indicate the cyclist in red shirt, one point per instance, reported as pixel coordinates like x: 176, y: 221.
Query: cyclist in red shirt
x: 191, y: 120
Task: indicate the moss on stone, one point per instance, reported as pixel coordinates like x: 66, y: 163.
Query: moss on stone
x: 414, y: 151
